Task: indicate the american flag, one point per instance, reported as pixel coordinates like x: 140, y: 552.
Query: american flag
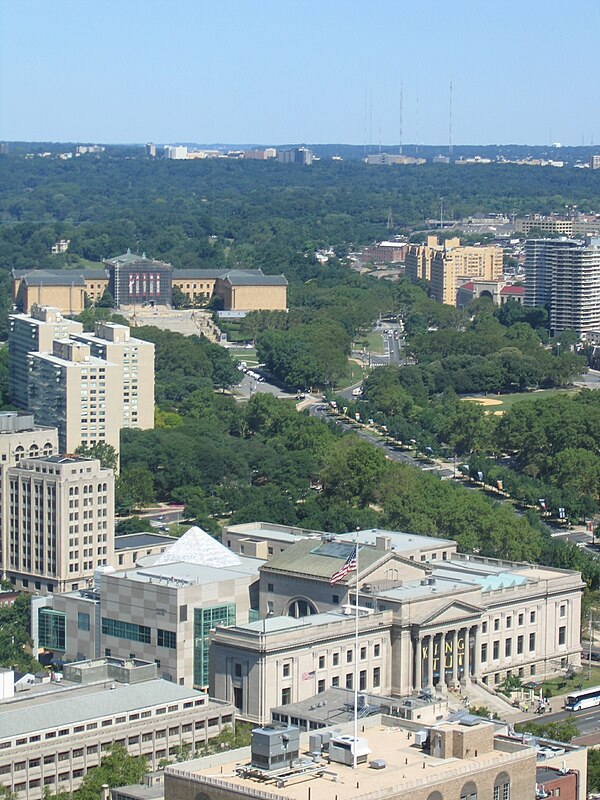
x: 349, y: 566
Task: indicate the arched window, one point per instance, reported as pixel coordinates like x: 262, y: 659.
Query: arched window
x: 301, y: 608
x: 19, y: 453
x: 34, y: 451
x: 435, y: 796
x: 469, y: 791
x: 502, y: 786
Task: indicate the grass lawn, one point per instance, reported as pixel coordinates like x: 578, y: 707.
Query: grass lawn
x: 581, y: 680
x: 353, y: 375
x: 375, y: 341
x: 242, y: 354
x: 502, y: 402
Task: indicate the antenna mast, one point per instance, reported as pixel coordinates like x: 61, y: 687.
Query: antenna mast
x: 450, y: 123
x: 401, y: 117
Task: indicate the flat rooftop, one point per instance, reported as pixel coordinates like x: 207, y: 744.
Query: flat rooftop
x: 184, y: 573
x: 128, y: 541
x: 399, y: 540
x: 72, y: 704
x: 407, y: 766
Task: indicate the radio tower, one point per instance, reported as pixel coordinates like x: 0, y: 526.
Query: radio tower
x: 450, y: 123
x: 401, y: 118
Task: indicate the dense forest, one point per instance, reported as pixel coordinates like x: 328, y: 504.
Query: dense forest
x: 263, y: 214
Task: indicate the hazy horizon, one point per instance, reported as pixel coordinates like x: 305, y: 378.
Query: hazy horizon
x: 311, y: 71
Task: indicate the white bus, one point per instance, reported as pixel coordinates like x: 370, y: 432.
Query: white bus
x: 587, y: 698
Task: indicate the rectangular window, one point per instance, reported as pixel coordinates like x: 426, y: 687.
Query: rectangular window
x: 521, y: 619
x: 348, y: 656
x: 563, y: 610
x: 335, y: 599
x: 562, y: 634
x: 286, y: 696
x: 376, y: 677
x: 363, y: 653
x: 519, y: 645
x: 321, y: 662
x: 349, y: 680
x: 336, y: 659
x: 509, y: 622
x: 531, y: 642
x: 286, y: 670
x: 362, y: 680
x: 484, y: 627
x: 496, y: 650
x: 532, y: 616
x: 206, y: 620
x: 508, y: 648
x: 484, y: 652
x: 51, y: 629
x: 125, y: 630
x: 321, y: 686
x: 166, y: 638
x: 496, y: 624
x: 83, y: 621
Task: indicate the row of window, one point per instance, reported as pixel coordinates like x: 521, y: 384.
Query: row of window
x: 138, y: 633
x: 520, y: 619
x: 106, y: 723
x: 286, y: 693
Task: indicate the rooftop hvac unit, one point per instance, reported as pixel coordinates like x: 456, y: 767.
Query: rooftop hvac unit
x: 275, y: 746
x: 421, y: 738
x: 343, y: 748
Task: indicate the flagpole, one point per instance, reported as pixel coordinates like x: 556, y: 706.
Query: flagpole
x: 356, y: 660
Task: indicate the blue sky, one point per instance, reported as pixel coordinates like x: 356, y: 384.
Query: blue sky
x: 283, y: 71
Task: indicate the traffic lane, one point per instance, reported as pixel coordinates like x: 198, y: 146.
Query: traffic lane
x: 588, y: 720
x: 394, y: 455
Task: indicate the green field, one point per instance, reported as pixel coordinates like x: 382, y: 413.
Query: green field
x: 354, y: 374
x: 243, y: 354
x: 502, y: 402
x: 375, y: 341
x: 581, y: 680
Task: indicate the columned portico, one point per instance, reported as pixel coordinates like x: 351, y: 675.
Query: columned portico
x: 445, y: 657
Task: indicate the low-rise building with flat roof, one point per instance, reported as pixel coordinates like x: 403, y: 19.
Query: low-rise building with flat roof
x: 449, y: 761
x: 52, y: 735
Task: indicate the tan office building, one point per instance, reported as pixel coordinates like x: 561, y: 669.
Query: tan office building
x: 59, y: 524
x: 135, y: 359
x: 239, y: 289
x: 419, y: 257
x: 32, y: 333
x: 78, y: 393
x: 50, y: 738
x: 453, y: 262
x: 20, y: 438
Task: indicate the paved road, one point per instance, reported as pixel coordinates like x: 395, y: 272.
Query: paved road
x: 393, y: 453
x: 588, y: 720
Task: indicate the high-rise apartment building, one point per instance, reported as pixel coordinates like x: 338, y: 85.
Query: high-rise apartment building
x: 31, y: 333
x: 135, y: 359
x: 59, y: 522
x: 78, y: 393
x: 565, y: 276
x: 20, y: 438
x: 452, y: 262
x: 419, y: 256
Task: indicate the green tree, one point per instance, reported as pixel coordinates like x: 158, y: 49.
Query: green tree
x: 105, y: 453
x: 178, y: 298
x: 118, y: 768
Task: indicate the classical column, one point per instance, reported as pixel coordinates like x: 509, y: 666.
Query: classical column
x: 466, y: 658
x: 418, y: 679
x: 442, y: 660
x: 430, y: 661
x: 455, y: 658
x: 476, y: 652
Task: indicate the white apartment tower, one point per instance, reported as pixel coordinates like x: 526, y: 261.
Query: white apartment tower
x: 564, y: 275
x: 78, y: 393
x: 59, y: 522
x: 31, y: 333
x: 135, y: 359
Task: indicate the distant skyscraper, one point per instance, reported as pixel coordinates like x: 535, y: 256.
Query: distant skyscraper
x: 565, y: 276
x: 151, y: 150
x: 177, y: 153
